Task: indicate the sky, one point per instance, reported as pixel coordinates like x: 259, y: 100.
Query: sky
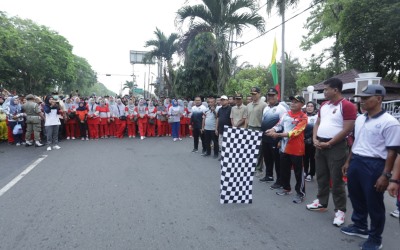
x: 104, y: 32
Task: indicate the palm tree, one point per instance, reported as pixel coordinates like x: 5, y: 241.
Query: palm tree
x: 282, y: 5
x: 130, y: 85
x: 163, y: 49
x: 223, y: 18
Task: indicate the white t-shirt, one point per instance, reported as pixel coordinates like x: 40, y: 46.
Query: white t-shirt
x: 374, y: 135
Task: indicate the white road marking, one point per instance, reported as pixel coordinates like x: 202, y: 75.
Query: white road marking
x: 21, y: 175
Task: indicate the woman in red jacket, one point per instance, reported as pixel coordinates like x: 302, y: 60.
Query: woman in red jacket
x: 93, y: 120
x: 131, y: 118
x: 71, y: 123
x: 142, y: 112
x: 120, y: 120
x: 151, y: 123
x: 104, y: 114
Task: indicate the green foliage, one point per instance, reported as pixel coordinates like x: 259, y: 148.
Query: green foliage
x: 222, y: 18
x: 366, y: 35
x: 249, y: 77
x: 98, y: 88
x: 313, y: 73
x: 371, y: 36
x: 35, y: 59
x: 163, y: 49
x: 199, y: 73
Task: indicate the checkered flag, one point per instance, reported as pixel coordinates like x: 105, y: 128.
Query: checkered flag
x: 239, y: 152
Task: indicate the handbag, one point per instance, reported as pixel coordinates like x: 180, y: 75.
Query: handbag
x: 17, y: 130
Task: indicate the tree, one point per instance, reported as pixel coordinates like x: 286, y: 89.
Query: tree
x: 221, y: 18
x: 365, y: 33
x: 371, y: 36
x: 323, y: 23
x: 314, y: 73
x: 35, y: 59
x: 282, y: 5
x: 198, y: 75
x: 163, y: 49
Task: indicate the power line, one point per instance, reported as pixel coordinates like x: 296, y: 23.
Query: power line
x: 279, y: 25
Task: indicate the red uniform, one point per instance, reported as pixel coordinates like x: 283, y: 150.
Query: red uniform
x: 93, y: 121
x: 152, y: 120
x: 131, y: 120
x: 142, y: 112
x: 71, y: 123
x: 184, y: 128
x: 104, y: 114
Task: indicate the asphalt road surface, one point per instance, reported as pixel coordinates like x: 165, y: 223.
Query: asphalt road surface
x: 151, y: 194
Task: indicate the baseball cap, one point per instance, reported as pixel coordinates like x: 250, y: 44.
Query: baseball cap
x: 255, y: 90
x: 224, y: 97
x: 238, y: 96
x: 372, y: 90
x: 272, y: 91
x: 298, y: 98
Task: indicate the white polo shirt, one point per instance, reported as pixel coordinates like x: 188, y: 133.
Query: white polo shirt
x: 374, y: 135
x: 332, y: 116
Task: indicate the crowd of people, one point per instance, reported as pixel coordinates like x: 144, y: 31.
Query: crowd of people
x: 335, y: 142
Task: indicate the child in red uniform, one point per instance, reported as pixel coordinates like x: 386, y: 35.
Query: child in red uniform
x: 131, y: 118
x: 151, y: 123
x: 142, y: 112
x: 93, y: 120
x: 162, y: 120
x: 184, y: 125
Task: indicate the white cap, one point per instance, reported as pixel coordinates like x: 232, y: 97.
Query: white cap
x: 224, y: 97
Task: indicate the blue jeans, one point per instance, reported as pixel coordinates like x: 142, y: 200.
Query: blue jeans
x: 175, y: 129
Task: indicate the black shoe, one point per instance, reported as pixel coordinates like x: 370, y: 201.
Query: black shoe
x: 195, y: 150
x: 267, y: 179
x: 275, y: 186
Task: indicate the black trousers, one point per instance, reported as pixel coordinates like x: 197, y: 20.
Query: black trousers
x: 209, y: 135
x: 271, y: 159
x: 287, y: 162
x: 309, y: 160
x: 196, y: 135
x: 83, y: 129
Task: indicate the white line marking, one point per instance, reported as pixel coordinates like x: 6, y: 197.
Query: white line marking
x: 21, y: 175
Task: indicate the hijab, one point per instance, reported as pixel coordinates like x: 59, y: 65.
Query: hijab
x: 92, y: 106
x: 131, y: 106
x: 81, y: 108
x: 141, y: 106
x: 120, y: 107
x: 174, y: 103
x: 14, y: 108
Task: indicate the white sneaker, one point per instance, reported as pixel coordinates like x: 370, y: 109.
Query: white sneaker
x: 180, y: 139
x: 316, y: 206
x: 83, y: 139
x: 56, y: 147
x: 87, y: 138
x: 48, y: 148
x: 308, y: 178
x: 175, y: 139
x: 73, y: 138
x: 339, y: 218
x: 68, y: 138
x: 18, y: 144
x: 395, y: 213
x: 142, y: 138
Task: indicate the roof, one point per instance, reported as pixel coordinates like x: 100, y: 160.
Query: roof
x: 349, y: 77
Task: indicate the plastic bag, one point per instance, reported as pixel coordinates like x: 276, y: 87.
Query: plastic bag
x: 17, y: 130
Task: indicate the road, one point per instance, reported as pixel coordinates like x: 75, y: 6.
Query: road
x: 151, y: 194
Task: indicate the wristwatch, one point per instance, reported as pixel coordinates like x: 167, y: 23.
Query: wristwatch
x: 387, y: 175
x: 394, y: 181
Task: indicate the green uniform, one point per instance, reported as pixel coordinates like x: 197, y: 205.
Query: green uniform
x: 33, y: 120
